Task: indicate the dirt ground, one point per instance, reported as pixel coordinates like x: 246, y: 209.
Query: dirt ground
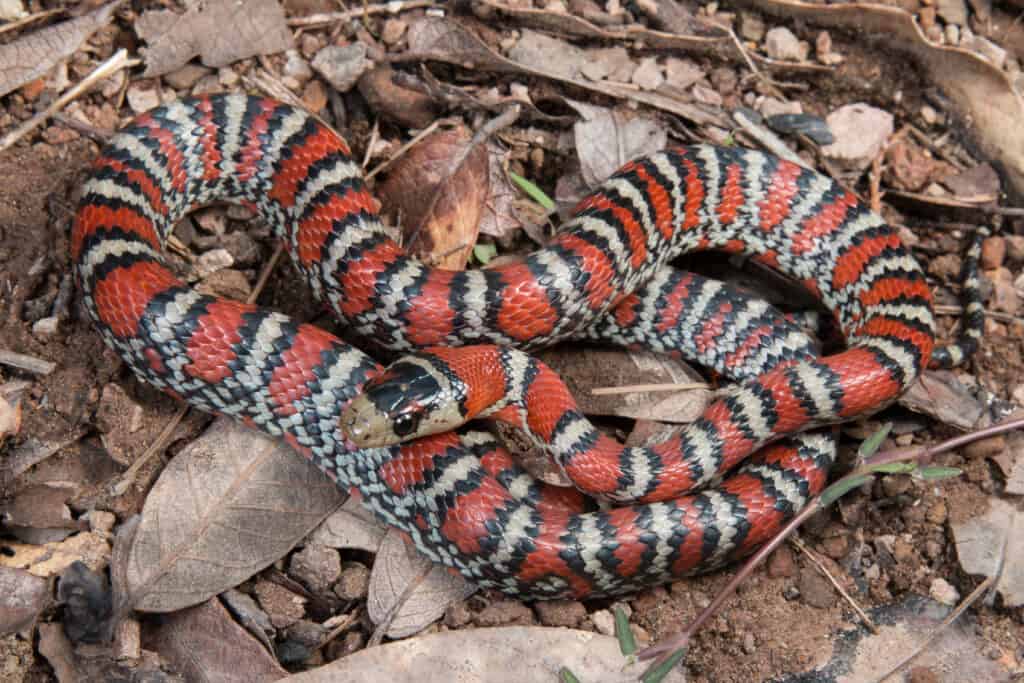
x: 885, y: 542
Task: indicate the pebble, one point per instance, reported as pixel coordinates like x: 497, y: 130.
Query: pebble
x: 749, y: 644
x: 1004, y: 293
x: 815, y: 589
x: 751, y: 27
x: 706, y: 95
x: 458, y: 614
x: 187, y: 76
x: 295, y: 66
x: 986, y: 448
x: 142, y: 99
x: 342, y: 66
x: 649, y: 75
x: 682, y: 73
x: 952, y: 34
x: 46, y: 327
x: 836, y: 547
x: 504, y: 612
x: 567, y: 613
x: 945, y: 266
x: 895, y: 485
x: 993, y: 251
x: 942, y: 591
x: 1014, y: 248
x: 773, y: 107
x: 228, y: 282
x: 937, y: 512
x: 317, y: 566
x: 353, y: 582
x: 929, y: 115
x: 724, y: 80
x: 393, y: 31
x: 922, y: 674
x: 209, y: 262
x: 860, y: 132
x: 932, y: 549
x: 228, y: 77
x: 282, y: 606
x: 101, y: 521
x: 781, y: 43
x: 604, y: 622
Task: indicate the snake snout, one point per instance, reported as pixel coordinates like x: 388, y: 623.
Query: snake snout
x: 363, y: 425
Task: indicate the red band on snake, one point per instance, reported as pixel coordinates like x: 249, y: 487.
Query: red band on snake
x: 460, y: 497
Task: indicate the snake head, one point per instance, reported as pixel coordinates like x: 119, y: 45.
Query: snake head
x: 410, y: 399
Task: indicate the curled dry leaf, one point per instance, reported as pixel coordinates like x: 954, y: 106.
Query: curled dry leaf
x: 440, y: 187
x: 218, y: 31
x: 992, y: 544
x: 511, y: 653
x: 350, y: 527
x: 606, y: 139
x: 938, y: 394
x: 22, y: 597
x: 33, y: 54
x: 227, y: 506
x: 584, y: 369
x: 205, y: 644
x: 982, y: 93
x: 408, y: 590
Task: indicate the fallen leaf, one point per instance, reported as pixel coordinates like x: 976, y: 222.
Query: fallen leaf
x: 51, y: 559
x: 981, y: 92
x: 440, y: 188
x: 500, y: 218
x: 351, y: 526
x: 408, y: 589
x: 227, y: 506
x: 584, y: 369
x: 992, y: 544
x: 205, y: 644
x: 607, y: 138
x: 220, y: 32
x: 22, y: 597
x: 938, y: 394
x: 33, y: 54
x: 510, y: 654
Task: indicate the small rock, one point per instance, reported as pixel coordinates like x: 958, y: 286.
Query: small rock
x: 860, y: 132
x: 242, y: 247
x: 354, y: 581
x: 308, y: 634
x: 650, y: 600
x: 604, y: 622
x: 977, y: 180
x: 682, y: 73
x: 903, y: 550
x: 937, y: 512
x: 342, y: 66
x: 228, y: 282
x: 45, y: 328
x: 945, y: 266
x: 909, y: 167
x: 282, y: 606
x: 648, y: 76
x: 993, y: 251
x: 773, y: 107
x: 895, y: 485
x: 706, y: 95
x: 942, y: 591
x: 836, y: 547
x: 187, y: 76
x: 458, y: 614
x: 922, y: 674
x: 932, y: 549
x: 504, y: 612
x: 567, y: 613
x: 310, y: 44
x: 724, y: 80
x: 142, y: 99
x: 791, y: 593
x: 815, y: 589
x: 929, y: 115
x: 1014, y: 248
x: 935, y: 34
x: 210, y: 262
x: 781, y: 43
x: 102, y: 521
x: 317, y: 566
x: 751, y: 27
x: 228, y: 77
x: 952, y: 11
x: 780, y: 563
x: 952, y: 34
x: 1004, y: 293
x: 749, y: 644
x: 211, y: 221
x: 986, y: 448
x: 393, y: 31
x: 295, y: 66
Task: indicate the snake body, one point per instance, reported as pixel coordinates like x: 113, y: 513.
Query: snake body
x: 459, y: 496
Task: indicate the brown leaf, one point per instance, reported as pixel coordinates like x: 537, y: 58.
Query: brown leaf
x: 584, y: 369
x: 440, y: 187
x: 982, y: 92
x: 606, y: 139
x: 409, y: 589
x: 939, y: 394
x: 993, y: 544
x: 500, y: 218
x: 350, y: 527
x: 22, y: 598
x: 509, y: 654
x: 32, y: 55
x: 227, y: 506
x: 205, y: 644
x: 220, y: 32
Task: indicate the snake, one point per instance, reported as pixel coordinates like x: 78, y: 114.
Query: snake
x: 459, y: 496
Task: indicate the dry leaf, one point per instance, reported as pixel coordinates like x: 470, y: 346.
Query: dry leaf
x: 994, y: 544
x: 220, y: 32
x: 33, y: 54
x: 205, y: 644
x: 500, y: 218
x: 351, y: 526
x: 397, y: 566
x: 51, y: 559
x: 511, y: 654
x: 584, y: 369
x: 938, y: 394
x: 606, y: 139
x: 983, y: 93
x: 227, y: 506
x: 22, y: 597
x: 440, y: 187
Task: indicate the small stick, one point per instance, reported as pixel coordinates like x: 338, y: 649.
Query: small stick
x: 637, y: 388
x: 14, y: 25
x: 118, y: 61
x: 383, y: 8
x: 22, y: 361
x: 404, y: 148
x: 950, y: 309
x: 664, y: 649
x: 802, y: 547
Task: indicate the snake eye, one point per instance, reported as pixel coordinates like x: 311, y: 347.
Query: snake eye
x: 405, y: 424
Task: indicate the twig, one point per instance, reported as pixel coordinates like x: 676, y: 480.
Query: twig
x: 98, y: 135
x: 802, y: 547
x: 637, y: 388
x: 404, y: 148
x: 768, y: 139
x: 158, y: 445
x: 337, y: 630
x: 366, y: 10
x: 950, y: 309
x: 14, y: 25
x: 661, y: 651
x: 118, y: 61
x: 953, y: 616
x: 36, y: 366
